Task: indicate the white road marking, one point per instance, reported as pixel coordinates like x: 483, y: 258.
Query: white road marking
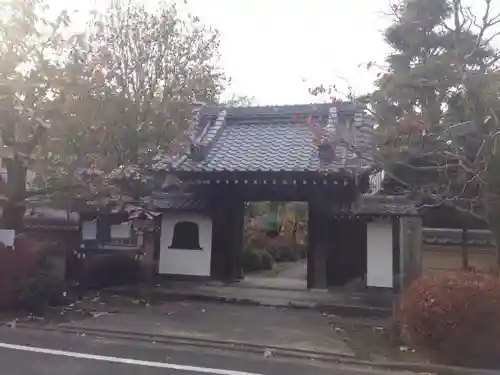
x: 127, y: 361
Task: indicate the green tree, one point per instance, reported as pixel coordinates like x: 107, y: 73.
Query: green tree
x: 31, y: 80
x: 437, y: 106
x: 431, y: 56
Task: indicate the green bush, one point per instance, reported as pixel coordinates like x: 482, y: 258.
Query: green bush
x: 112, y: 269
x: 255, y: 240
x: 43, y: 290
x: 287, y: 254
x: 282, y: 249
x: 266, y: 260
x: 453, y: 318
x: 251, y: 260
x: 256, y: 260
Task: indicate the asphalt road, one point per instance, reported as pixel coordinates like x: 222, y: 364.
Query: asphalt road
x: 50, y: 353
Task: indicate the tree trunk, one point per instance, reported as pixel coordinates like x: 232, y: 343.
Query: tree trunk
x: 495, y: 230
x: 497, y: 252
x: 465, y: 249
x: 14, y: 208
x: 295, y: 225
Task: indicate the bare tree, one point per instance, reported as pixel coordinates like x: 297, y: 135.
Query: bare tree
x: 134, y: 75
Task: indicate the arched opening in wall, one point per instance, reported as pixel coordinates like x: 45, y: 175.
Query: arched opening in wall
x: 186, y: 236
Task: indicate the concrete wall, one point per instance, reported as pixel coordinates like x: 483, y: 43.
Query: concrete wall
x: 185, y: 261
x: 410, y: 267
x: 117, y: 231
x: 453, y: 237
x: 449, y: 258
x: 379, y: 255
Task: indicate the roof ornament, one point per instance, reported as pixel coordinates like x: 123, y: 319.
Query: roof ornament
x: 331, y: 125
x: 327, y: 145
x: 208, y: 134
x: 198, y: 106
x: 364, y: 138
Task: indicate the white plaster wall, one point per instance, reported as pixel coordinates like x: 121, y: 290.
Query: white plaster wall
x: 7, y: 237
x: 121, y: 231
x: 89, y: 230
x: 379, y: 255
x: 185, y: 261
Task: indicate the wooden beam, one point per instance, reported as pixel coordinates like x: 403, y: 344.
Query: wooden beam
x: 396, y: 253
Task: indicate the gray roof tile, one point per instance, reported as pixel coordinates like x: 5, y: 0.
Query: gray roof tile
x: 175, y: 201
x: 385, y: 205
x: 266, y: 139
x: 44, y: 218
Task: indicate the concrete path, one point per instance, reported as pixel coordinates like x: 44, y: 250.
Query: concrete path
x: 304, y: 330
x: 334, y: 302
x: 294, y: 270
x: 286, y: 276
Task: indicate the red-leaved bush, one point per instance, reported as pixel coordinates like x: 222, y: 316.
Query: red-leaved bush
x: 453, y: 318
x: 15, y: 265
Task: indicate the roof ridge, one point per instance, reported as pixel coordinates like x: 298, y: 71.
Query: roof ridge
x: 280, y: 110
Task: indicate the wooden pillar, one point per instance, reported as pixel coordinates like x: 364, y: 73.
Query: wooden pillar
x: 156, y: 244
x: 465, y: 248
x: 238, y: 222
x: 234, y: 227
x: 219, y: 256
x: 82, y: 286
x: 227, y: 238
x: 340, y: 240
x: 347, y: 254
x: 148, y: 264
x: 317, y: 254
x: 396, y: 253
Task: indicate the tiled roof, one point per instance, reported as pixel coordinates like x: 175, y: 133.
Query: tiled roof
x: 385, y: 205
x: 262, y: 146
x: 270, y: 139
x: 44, y: 218
x: 175, y: 201
x: 50, y: 226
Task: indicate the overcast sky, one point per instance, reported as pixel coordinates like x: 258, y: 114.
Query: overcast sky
x: 274, y: 50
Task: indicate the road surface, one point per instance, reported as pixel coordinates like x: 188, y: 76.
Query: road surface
x: 50, y: 353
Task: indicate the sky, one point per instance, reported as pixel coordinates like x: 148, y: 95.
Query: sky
x: 274, y: 50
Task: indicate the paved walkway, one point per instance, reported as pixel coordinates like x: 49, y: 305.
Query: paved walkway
x: 304, y: 330
x: 334, y: 302
x: 287, y: 276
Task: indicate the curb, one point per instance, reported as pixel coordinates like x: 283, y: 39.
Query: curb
x: 206, y: 343
x: 351, y: 311
x: 277, y: 351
